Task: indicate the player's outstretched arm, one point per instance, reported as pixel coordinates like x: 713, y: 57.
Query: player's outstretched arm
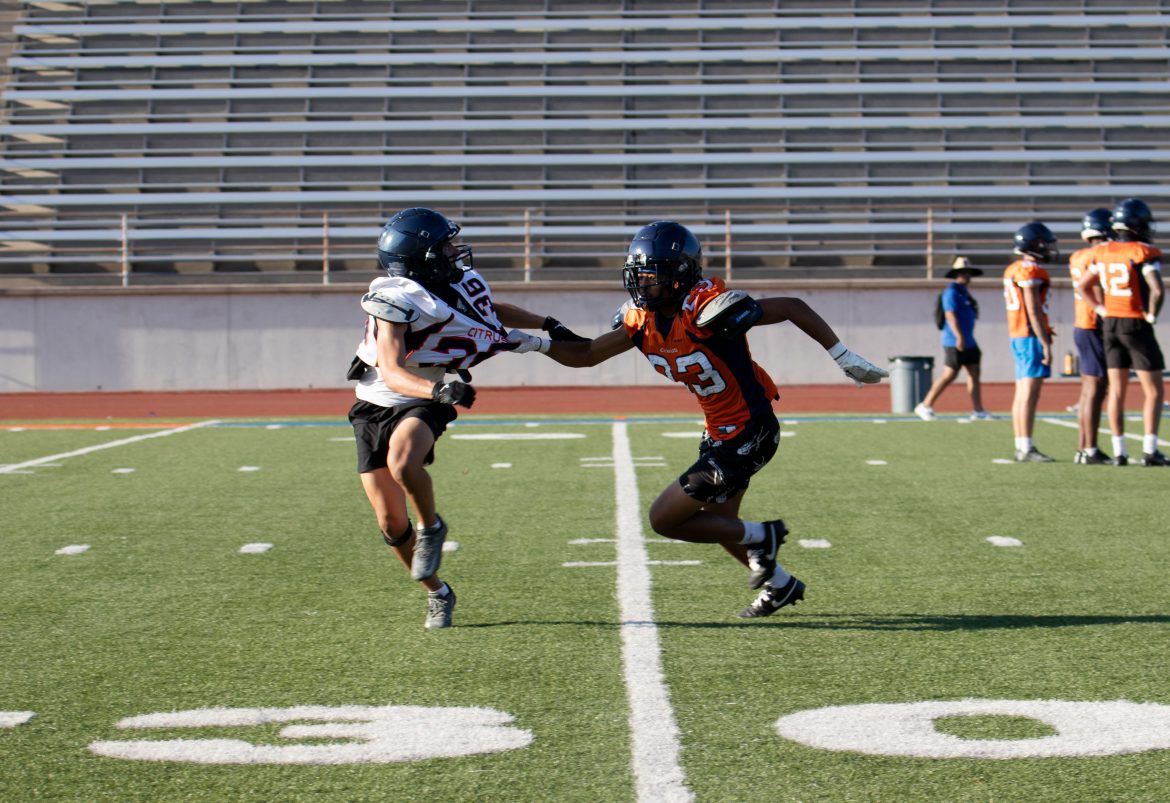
x: 806, y: 319
x: 575, y: 354
x: 512, y: 316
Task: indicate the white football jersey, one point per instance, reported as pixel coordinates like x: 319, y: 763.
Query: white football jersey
x: 459, y: 331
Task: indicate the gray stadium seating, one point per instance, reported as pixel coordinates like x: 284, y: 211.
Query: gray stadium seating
x: 265, y: 141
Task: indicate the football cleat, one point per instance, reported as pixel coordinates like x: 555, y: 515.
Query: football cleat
x: 439, y: 609
x: 924, y: 412
x: 773, y: 599
x: 1120, y: 460
x: 1033, y: 455
x: 762, y: 556
x: 1155, y: 458
x: 982, y: 415
x: 1099, y: 458
x: 428, y: 550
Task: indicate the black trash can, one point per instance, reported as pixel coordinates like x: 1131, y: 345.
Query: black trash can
x: 910, y: 380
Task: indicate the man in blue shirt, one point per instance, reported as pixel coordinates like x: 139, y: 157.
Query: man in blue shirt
x: 959, y: 310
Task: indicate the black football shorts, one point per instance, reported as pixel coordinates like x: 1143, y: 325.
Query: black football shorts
x: 725, y: 468
x: 1130, y: 343
x: 373, y: 424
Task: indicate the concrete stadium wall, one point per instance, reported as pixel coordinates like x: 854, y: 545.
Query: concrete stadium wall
x: 262, y: 338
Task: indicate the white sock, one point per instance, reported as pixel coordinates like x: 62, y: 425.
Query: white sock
x: 1149, y: 443
x: 445, y: 591
x: 753, y: 532
x: 1119, y: 445
x: 779, y: 577
x: 1092, y: 450
x: 1023, y: 444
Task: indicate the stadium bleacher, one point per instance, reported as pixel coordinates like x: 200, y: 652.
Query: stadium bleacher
x: 258, y: 141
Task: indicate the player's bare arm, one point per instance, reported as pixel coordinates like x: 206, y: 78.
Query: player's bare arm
x: 1157, y: 291
x: 392, y: 362
x: 573, y: 353
x: 512, y: 316
x: 1032, y: 307
x: 1089, y: 286
x: 806, y: 319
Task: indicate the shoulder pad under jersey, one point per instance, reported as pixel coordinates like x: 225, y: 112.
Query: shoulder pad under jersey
x: 730, y: 314
x: 620, y: 316
x: 396, y: 310
x: 719, y: 305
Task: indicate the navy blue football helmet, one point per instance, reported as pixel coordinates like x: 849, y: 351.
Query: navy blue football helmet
x: 413, y: 244
x: 665, y: 254
x: 1037, y: 241
x: 1133, y: 220
x: 1097, y: 224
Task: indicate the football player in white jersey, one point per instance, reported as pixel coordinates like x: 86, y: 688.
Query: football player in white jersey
x: 432, y: 314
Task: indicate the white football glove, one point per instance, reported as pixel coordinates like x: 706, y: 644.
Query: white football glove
x: 856, y: 367
x: 1151, y: 319
x: 524, y: 342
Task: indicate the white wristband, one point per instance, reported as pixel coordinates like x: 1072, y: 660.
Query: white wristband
x: 545, y: 344
x: 837, y: 350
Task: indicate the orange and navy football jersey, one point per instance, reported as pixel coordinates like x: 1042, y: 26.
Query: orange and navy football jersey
x: 1080, y: 262
x: 730, y: 386
x: 1120, y: 266
x: 1025, y: 273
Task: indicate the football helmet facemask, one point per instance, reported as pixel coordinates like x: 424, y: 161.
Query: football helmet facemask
x: 1097, y: 223
x: 1037, y: 241
x: 663, y: 254
x: 1133, y: 219
x: 415, y: 243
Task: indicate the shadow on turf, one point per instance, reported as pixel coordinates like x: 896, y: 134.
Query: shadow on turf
x: 934, y: 622
x: 903, y: 622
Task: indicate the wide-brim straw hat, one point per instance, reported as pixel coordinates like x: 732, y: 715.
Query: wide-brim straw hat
x: 963, y: 265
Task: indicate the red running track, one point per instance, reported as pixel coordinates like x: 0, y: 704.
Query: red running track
x: 632, y: 400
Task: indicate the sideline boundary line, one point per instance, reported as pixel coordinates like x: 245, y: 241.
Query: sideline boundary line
x: 15, y: 467
x: 654, y: 735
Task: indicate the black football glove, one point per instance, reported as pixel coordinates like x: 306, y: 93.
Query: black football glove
x: 454, y: 393
x: 558, y: 331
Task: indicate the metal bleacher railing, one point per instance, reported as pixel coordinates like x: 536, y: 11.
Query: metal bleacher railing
x: 182, y: 141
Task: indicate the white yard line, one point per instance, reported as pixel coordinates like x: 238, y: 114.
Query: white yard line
x: 654, y: 736
x: 17, y: 467
x: 1105, y: 430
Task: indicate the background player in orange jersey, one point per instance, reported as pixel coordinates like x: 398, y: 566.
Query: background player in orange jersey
x: 1125, y: 283
x: 1095, y: 229
x: 1025, y: 291
x: 694, y: 331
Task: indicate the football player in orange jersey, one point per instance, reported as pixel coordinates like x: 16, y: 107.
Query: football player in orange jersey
x: 1125, y: 285
x: 694, y: 331
x: 1095, y: 229
x: 1025, y: 290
